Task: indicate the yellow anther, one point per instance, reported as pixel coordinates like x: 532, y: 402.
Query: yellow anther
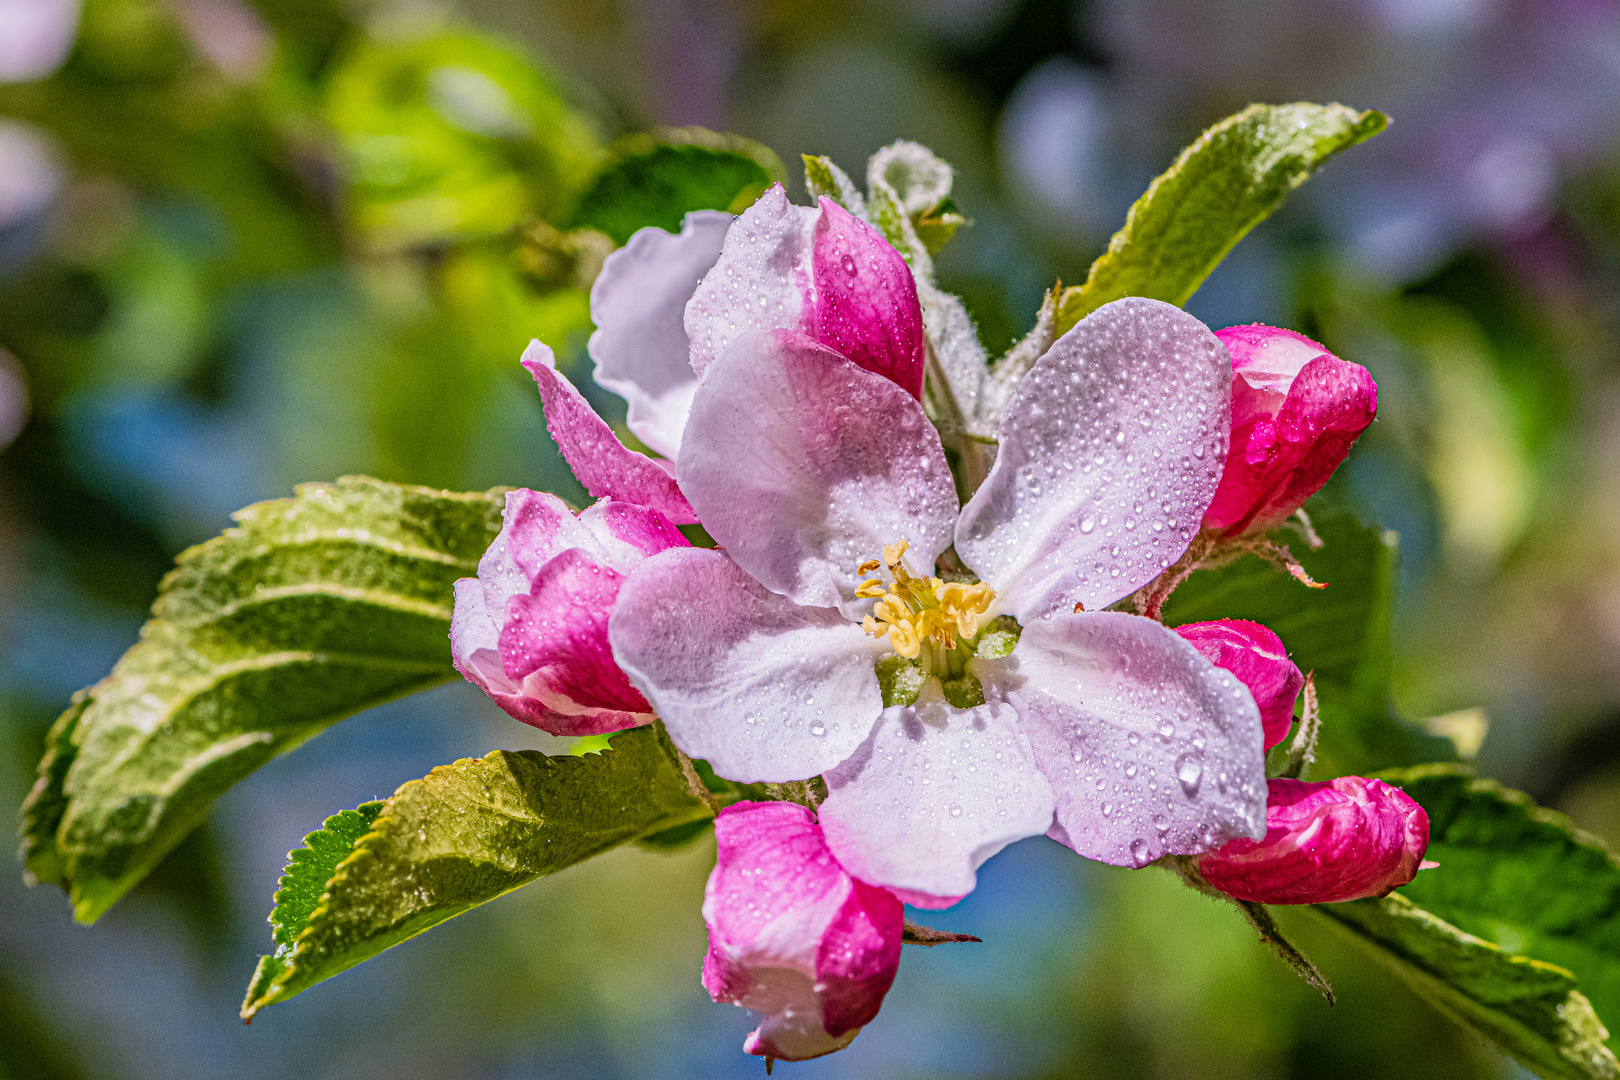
x: 912, y: 611
x: 868, y: 567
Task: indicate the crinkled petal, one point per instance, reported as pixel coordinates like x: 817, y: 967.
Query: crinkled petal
x: 792, y: 936
x: 803, y: 465
x: 639, y: 307
x: 1327, y: 842
x: 931, y: 795
x: 761, y: 281
x: 603, y: 464
x: 1110, y: 452
x: 1150, y: 748
x: 865, y: 305
x: 535, y: 528
x: 1277, y: 462
x: 762, y: 688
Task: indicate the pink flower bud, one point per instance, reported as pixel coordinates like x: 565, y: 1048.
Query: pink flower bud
x: 1342, y: 839
x: 792, y: 936
x: 1257, y: 657
x: 531, y: 629
x: 1296, y: 410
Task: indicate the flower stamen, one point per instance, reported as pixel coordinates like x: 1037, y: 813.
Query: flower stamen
x: 912, y: 611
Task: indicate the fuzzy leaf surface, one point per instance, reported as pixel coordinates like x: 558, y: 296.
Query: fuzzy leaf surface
x: 1531, y: 1009
x: 1520, y: 876
x: 309, y: 610
x: 459, y: 837
x: 1227, y: 182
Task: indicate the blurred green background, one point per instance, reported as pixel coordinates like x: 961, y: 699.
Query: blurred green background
x: 246, y: 243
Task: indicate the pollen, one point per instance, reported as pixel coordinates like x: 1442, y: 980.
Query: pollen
x: 915, y: 611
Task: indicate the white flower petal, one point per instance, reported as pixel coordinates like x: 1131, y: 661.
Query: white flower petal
x: 803, y: 465
x: 639, y: 307
x: 1150, y: 748
x: 931, y: 795
x: 765, y: 690
x: 762, y: 281
x: 1110, y: 452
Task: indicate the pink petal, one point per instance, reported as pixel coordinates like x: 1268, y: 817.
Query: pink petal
x: 930, y: 796
x: 1110, y: 451
x: 791, y: 935
x: 1150, y: 748
x: 639, y: 307
x: 1342, y: 839
x: 555, y: 640
x: 866, y: 305
x: 803, y: 466
x: 762, y: 688
x: 1257, y: 657
x: 557, y: 672
x: 1296, y: 411
x: 761, y: 281
x: 604, y: 465
x: 536, y: 528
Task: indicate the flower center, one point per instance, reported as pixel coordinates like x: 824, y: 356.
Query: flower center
x: 914, y: 611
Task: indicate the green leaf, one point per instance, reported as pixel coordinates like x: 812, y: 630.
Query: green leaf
x: 1223, y: 185
x: 1529, y: 1008
x: 1520, y: 876
x: 1340, y: 632
x: 658, y: 181
x: 309, y: 610
x: 459, y: 837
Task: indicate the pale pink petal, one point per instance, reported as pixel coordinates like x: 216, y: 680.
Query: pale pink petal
x: 604, y: 465
x: 761, y: 282
x: 639, y: 307
x: 1150, y: 748
x: 792, y: 936
x: 1257, y: 657
x: 475, y: 640
x: 1341, y: 839
x: 626, y: 534
x: 762, y: 688
x: 1110, y: 451
x: 803, y: 465
x: 536, y: 527
x: 866, y: 305
x: 931, y: 795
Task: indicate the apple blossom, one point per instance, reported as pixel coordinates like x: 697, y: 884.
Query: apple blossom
x: 792, y: 936
x: 1257, y: 657
x: 1296, y: 411
x: 1105, y: 730
x: 1340, y: 839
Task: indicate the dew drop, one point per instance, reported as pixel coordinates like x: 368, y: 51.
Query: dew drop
x: 848, y: 263
x: 1140, y: 854
x: 1190, y: 771
x: 818, y: 729
x: 1087, y: 524
x: 956, y: 809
